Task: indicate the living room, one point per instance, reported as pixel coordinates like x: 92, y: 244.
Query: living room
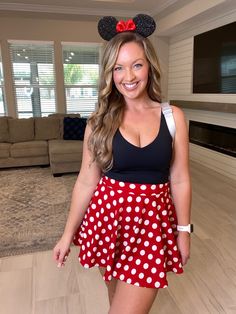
x: 63, y: 29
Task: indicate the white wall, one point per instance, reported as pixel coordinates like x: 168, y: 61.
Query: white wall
x: 180, y: 88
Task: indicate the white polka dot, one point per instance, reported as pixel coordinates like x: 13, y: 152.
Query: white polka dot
x: 150, y: 234
x: 146, y: 243
x: 150, y: 213
x: 128, y: 209
x: 127, y: 227
x: 93, y: 206
x: 99, y: 224
x: 175, y: 270
x: 90, y: 232
x: 170, y: 241
x: 103, y: 230
x: 112, y: 215
x: 142, y: 252
x: 154, y: 270
x: 133, y: 271
x: 139, y: 241
x: 154, y: 247
x: 170, y: 230
x: 175, y: 248
x: 158, y: 261
x: 138, y: 262
x: 136, y: 219
x: 149, y: 280
x: 145, y: 266
x: 103, y: 261
x: 130, y: 258
x: 146, y: 222
x: 162, y: 275
x: 123, y: 257
x: 175, y: 259
x: 153, y: 186
x: 122, y: 277
x: 129, y: 280
x: 129, y: 199
x: 128, y: 248
x: 141, y: 275
x: 86, y: 266
x: 105, y: 218
x: 104, y: 251
x: 127, y: 219
x: 132, y: 239
x: 150, y: 256
x: 157, y: 284
x: 105, y: 197
x: 154, y: 203
x: 164, y: 224
x: 142, y: 231
x: 158, y: 238
x: 169, y: 252
x: 103, y: 188
x: 138, y: 199
x: 135, y: 250
x: 143, y: 187
x: 164, y: 212
x: 100, y: 201
x: 121, y: 200
x: 121, y: 184
x: 136, y: 284
x: 162, y: 252
x: 146, y: 201
x: 108, y: 205
x: 132, y: 186
x: 137, y: 209
x: 126, y: 267
x: 154, y: 226
x: 112, y: 181
x: 140, y: 221
x: 112, y: 193
x: 118, y: 265
x: 136, y: 230
x: 96, y: 236
x: 114, y: 273
x: 97, y: 214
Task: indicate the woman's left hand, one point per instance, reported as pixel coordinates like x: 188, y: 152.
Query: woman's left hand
x: 183, y: 243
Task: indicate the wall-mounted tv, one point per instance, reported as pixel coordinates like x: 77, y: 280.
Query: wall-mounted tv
x: 214, y: 61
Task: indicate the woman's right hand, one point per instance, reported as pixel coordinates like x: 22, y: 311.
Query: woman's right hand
x: 61, y: 251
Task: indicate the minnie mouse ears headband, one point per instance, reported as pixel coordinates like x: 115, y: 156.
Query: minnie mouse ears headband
x: 109, y: 26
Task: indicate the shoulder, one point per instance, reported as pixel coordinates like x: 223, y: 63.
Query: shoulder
x: 179, y: 116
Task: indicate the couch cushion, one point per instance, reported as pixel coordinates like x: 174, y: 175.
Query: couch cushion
x: 47, y: 128
x: 29, y: 149
x: 21, y: 130
x: 74, y: 128
x: 5, y: 150
x: 65, y: 151
x: 4, y: 131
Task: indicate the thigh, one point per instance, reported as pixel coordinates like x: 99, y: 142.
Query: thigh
x: 111, y: 285
x: 130, y: 299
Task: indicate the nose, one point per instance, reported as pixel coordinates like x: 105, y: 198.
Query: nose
x: 129, y: 75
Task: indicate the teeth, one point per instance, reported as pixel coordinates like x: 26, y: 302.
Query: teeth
x: 130, y: 85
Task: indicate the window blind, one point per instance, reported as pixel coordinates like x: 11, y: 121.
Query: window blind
x: 2, y: 98
x: 81, y: 72
x: 34, y: 78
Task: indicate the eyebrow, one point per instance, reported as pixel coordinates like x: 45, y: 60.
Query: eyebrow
x: 139, y: 59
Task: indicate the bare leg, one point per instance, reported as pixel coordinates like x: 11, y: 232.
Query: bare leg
x: 111, y: 285
x: 130, y: 299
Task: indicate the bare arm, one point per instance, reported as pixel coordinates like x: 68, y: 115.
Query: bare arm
x: 82, y: 193
x: 180, y: 181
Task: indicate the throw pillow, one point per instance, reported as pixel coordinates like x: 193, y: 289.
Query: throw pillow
x: 21, y: 130
x: 74, y: 128
x: 4, y: 133
x: 47, y: 128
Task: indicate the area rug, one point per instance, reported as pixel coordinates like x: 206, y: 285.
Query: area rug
x: 33, y: 209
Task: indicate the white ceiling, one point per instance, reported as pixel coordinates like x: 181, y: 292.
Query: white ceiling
x: 94, y: 8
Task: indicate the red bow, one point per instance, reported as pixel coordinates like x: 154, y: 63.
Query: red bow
x: 123, y: 26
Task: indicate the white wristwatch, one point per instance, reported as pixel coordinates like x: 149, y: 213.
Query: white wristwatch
x: 188, y: 228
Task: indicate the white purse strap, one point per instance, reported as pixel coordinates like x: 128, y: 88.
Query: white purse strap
x: 168, y: 113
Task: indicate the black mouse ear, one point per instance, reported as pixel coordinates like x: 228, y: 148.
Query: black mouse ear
x: 107, y: 27
x: 145, y: 24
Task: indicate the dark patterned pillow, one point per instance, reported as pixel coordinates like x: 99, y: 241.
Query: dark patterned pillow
x: 74, y: 128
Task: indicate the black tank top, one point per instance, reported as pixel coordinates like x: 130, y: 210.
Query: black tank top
x: 149, y: 164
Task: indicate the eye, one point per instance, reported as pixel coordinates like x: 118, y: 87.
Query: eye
x: 138, y: 65
x: 118, y: 68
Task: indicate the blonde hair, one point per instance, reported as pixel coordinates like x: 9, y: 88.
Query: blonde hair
x: 108, y: 115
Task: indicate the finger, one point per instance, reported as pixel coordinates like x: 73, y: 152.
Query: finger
x: 56, y: 254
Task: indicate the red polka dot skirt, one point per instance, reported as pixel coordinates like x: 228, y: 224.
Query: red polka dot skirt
x: 130, y: 229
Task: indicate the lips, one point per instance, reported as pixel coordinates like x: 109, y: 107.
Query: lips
x: 130, y: 86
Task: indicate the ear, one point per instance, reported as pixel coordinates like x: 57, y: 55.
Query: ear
x: 145, y: 24
x: 107, y: 27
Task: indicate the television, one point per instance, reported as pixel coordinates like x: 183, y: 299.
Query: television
x: 214, y: 61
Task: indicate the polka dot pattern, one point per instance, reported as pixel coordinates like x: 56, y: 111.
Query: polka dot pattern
x: 130, y: 229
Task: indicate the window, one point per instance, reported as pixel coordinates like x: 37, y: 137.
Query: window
x: 34, y: 78
x: 81, y: 72
x: 2, y: 98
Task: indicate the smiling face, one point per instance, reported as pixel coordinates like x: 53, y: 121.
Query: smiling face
x: 130, y: 73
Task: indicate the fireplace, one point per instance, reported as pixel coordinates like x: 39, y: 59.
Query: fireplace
x: 219, y: 138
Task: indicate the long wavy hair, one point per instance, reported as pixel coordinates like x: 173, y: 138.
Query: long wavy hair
x: 108, y: 115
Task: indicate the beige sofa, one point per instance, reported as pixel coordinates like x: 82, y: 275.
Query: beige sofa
x: 38, y: 141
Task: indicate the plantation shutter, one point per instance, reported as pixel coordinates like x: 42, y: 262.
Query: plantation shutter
x: 81, y: 72
x: 33, y: 78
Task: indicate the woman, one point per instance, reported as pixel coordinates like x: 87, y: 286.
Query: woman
x: 122, y: 214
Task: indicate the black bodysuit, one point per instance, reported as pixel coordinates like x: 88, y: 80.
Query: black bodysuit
x: 148, y: 165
